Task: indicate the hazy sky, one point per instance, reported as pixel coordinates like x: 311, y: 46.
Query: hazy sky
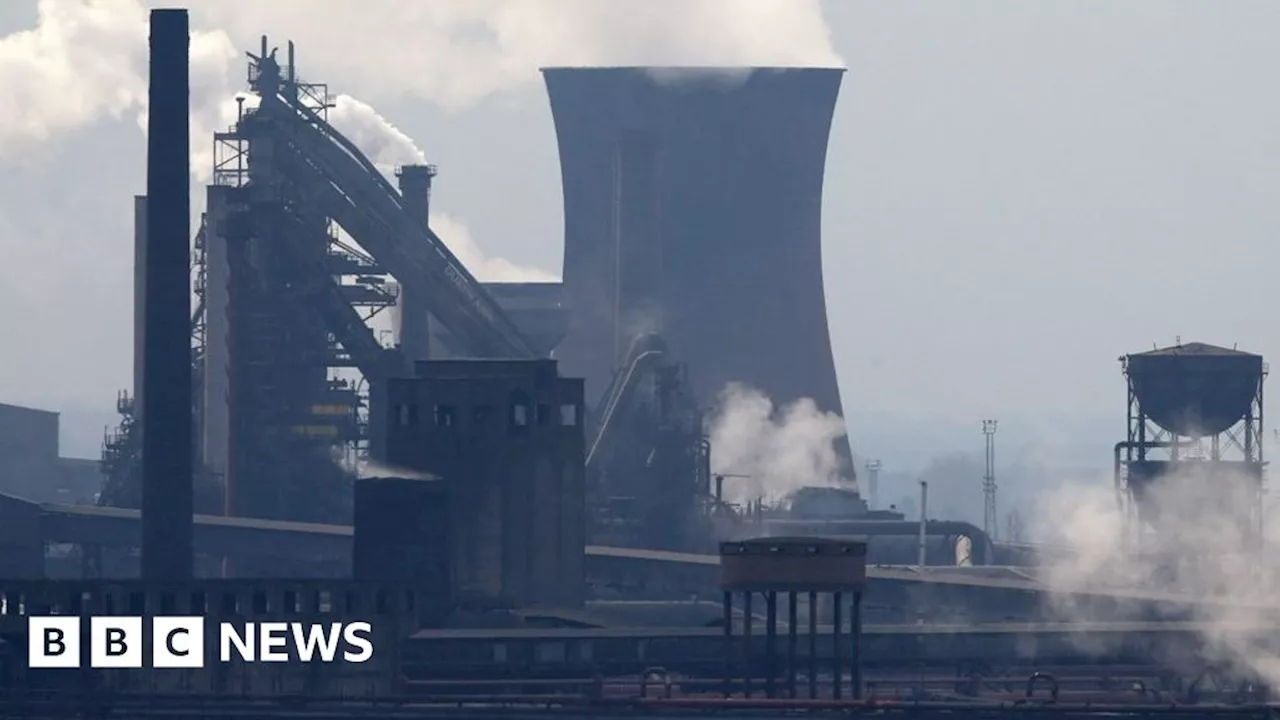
x: 1017, y: 192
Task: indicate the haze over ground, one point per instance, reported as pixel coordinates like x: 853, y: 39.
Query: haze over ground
x: 1017, y: 193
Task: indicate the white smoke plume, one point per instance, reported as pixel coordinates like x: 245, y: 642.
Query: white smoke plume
x: 383, y: 143
x: 86, y: 59
x: 780, y: 449
x: 455, y: 52
x: 387, y: 147
x: 371, y: 469
x: 1199, y: 547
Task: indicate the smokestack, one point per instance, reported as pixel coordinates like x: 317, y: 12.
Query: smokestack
x: 414, y: 329
x: 692, y: 206
x: 167, y: 426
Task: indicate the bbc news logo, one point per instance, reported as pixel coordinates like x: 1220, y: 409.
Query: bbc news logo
x: 179, y: 642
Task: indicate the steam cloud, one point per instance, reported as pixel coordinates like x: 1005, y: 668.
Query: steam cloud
x: 455, y: 52
x: 387, y: 147
x: 781, y: 449
x: 1200, y: 548
x: 371, y: 469
x: 84, y: 60
x: 362, y: 468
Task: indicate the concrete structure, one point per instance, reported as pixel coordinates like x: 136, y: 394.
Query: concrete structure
x: 28, y: 452
x: 413, y: 326
x: 692, y: 206
x: 168, y: 459
x: 215, y: 375
x: 31, y: 467
x: 507, y: 438
x: 402, y: 534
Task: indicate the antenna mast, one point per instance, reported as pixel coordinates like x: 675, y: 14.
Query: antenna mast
x: 990, y: 520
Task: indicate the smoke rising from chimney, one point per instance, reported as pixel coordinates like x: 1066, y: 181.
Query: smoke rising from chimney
x: 780, y: 449
x: 1202, y: 551
x: 86, y: 59
x: 455, y: 52
x: 388, y: 147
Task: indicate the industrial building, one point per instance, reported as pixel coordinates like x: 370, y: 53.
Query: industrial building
x: 537, y: 530
x: 505, y: 439
x: 31, y: 465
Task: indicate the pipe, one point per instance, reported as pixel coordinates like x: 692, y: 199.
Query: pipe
x: 924, y: 505
x: 643, y: 349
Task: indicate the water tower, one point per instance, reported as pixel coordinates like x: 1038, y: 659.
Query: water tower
x: 1193, y: 461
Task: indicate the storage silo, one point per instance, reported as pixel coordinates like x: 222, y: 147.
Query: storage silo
x: 692, y: 206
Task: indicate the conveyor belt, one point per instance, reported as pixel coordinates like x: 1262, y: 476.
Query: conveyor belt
x: 332, y: 172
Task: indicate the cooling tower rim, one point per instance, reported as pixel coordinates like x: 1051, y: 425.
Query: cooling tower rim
x: 693, y: 68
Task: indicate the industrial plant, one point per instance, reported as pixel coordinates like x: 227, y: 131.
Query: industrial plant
x: 515, y: 487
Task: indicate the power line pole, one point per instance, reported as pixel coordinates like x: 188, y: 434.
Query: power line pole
x: 873, y: 484
x: 990, y: 520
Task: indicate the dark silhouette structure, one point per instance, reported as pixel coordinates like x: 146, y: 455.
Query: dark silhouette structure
x: 692, y: 206
x: 506, y: 439
x: 1194, y: 424
x: 167, y: 425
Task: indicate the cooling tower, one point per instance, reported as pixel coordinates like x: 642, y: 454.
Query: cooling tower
x: 692, y: 206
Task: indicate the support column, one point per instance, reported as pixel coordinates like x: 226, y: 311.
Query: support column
x: 824, y: 568
x: 792, y: 631
x: 771, y: 644
x: 855, y: 636
x: 747, y: 666
x: 728, y: 643
x: 837, y: 667
x: 813, y: 645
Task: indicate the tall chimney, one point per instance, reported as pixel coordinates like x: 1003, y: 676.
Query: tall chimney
x: 167, y: 423
x: 693, y: 207
x: 414, y: 329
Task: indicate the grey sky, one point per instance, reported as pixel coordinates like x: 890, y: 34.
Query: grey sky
x: 1017, y: 193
